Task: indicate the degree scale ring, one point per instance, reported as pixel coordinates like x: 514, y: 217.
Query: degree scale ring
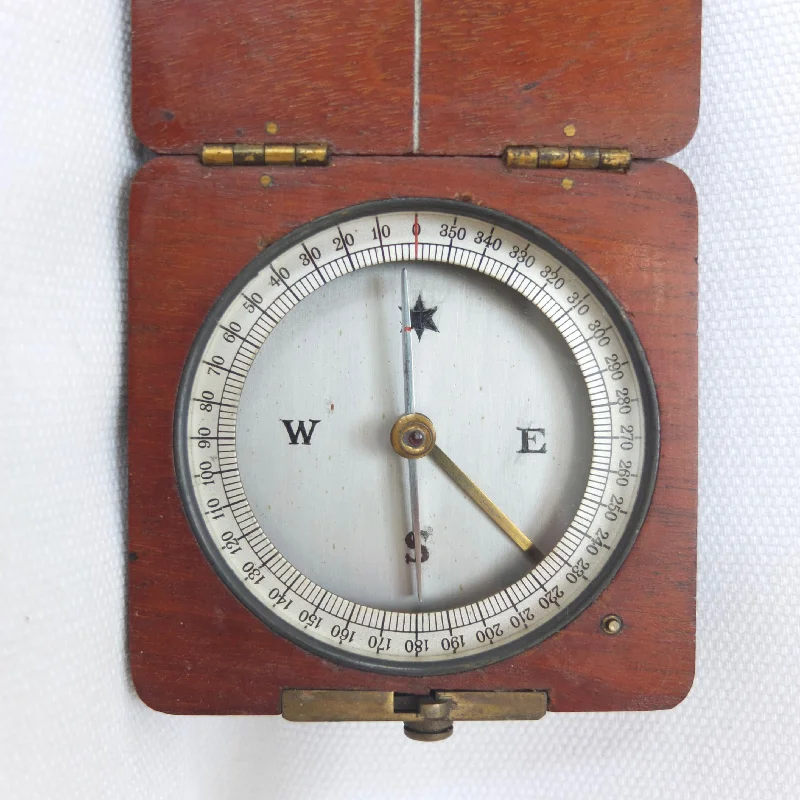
x: 455, y: 638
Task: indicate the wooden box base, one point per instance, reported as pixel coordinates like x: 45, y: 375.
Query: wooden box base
x: 194, y: 649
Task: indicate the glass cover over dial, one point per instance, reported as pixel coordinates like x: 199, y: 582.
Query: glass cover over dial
x: 416, y: 436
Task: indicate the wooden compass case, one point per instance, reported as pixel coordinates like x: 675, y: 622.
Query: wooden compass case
x: 338, y: 73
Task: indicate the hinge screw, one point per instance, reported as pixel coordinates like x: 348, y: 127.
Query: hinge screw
x: 612, y: 624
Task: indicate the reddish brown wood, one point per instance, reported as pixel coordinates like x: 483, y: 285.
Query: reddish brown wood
x: 337, y: 71
x: 625, y: 74
x: 494, y: 72
x: 193, y: 647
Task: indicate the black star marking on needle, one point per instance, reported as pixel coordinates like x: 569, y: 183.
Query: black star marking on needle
x: 422, y: 318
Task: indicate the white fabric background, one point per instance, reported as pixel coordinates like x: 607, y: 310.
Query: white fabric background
x: 70, y: 724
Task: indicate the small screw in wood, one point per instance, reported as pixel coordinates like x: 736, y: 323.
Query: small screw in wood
x: 611, y: 624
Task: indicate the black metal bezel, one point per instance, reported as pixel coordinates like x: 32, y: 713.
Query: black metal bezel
x: 568, y: 613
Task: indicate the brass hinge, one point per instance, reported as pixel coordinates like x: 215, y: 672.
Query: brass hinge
x: 242, y: 155
x: 616, y: 159
x: 425, y: 717
x: 317, y: 155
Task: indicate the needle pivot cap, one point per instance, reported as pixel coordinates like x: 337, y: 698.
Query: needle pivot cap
x: 413, y: 436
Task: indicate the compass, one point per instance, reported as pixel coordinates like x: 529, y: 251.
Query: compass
x: 412, y: 360
x: 416, y: 486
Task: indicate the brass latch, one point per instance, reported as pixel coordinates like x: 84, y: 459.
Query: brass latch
x: 242, y: 155
x: 426, y: 718
x: 568, y: 158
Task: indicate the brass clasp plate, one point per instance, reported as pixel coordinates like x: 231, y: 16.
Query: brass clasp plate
x: 425, y: 717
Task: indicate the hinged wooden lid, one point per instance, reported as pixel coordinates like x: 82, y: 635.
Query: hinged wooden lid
x: 486, y: 74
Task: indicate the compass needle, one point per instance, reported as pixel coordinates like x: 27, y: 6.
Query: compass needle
x: 408, y: 391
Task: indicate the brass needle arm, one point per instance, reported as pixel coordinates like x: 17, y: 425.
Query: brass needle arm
x: 413, y: 436
x: 484, y: 503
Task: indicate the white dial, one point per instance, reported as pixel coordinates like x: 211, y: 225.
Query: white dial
x: 537, y: 394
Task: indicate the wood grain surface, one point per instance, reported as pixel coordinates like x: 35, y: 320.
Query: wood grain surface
x: 622, y: 74
x: 493, y: 73
x: 335, y: 71
x: 193, y: 647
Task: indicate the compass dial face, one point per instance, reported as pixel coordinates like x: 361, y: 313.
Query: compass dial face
x: 416, y: 436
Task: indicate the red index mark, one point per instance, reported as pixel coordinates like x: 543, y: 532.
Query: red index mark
x: 416, y: 238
